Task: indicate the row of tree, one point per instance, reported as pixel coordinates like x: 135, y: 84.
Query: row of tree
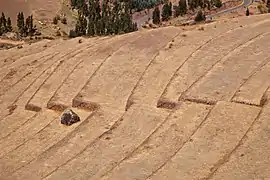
x: 165, y: 15
x: 5, y: 24
x: 209, y: 4
x: 110, y: 17
x: 181, y: 9
x: 136, y: 5
x: 25, y: 27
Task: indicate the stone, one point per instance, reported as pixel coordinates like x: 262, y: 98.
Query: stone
x: 69, y: 117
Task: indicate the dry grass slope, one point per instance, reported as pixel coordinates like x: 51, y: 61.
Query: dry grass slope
x: 154, y: 104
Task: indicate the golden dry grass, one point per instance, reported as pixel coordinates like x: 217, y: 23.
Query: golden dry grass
x: 154, y: 104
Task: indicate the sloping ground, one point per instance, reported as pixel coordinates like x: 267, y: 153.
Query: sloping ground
x: 163, y: 104
x: 12, y: 7
x: 42, y: 10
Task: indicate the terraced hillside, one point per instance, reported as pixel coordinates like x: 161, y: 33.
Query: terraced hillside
x: 163, y: 104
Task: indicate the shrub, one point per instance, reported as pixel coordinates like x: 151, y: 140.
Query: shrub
x: 58, y: 17
x: 64, y: 20
x: 58, y: 33
x: 19, y: 46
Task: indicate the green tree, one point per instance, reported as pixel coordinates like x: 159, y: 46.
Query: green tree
x: 247, y: 12
x: 209, y: 4
x: 84, y: 10
x: 116, y: 17
x: 128, y: 25
x: 72, y: 34
x: 29, y: 26
x: 91, y: 28
x: 31, y: 29
x: 156, y: 16
x: 25, y: 28
x: 4, y: 22
x: 199, y: 16
x: 97, y: 16
x: 9, y: 25
x: 176, y: 11
x: 81, y: 25
x: 93, y: 17
x: 193, y: 4
x: 80, y: 4
x: 218, y: 3
x: 170, y: 5
x: 112, y: 17
x: 20, y: 23
x: 165, y: 12
x: 22, y: 20
x: 1, y: 27
x: 139, y: 5
x: 105, y: 17
x: 182, y: 7
x: 73, y: 3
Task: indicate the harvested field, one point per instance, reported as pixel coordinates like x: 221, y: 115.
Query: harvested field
x: 154, y: 104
